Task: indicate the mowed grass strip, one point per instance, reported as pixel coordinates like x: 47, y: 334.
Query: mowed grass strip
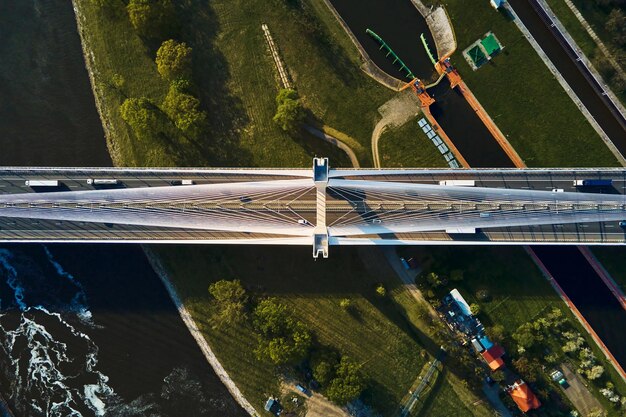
x: 522, y: 96
x: 372, y: 333
x: 408, y: 146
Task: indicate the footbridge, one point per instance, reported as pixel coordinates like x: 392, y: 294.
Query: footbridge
x: 319, y: 207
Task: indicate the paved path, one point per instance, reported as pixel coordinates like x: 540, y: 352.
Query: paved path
x: 579, y: 394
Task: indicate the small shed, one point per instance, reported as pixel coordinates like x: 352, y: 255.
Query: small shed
x: 273, y: 406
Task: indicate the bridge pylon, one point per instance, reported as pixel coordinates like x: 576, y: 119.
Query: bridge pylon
x: 320, y: 234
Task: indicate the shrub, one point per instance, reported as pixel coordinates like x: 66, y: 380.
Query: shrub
x: 173, y: 60
x: 483, y: 295
x: 381, y: 291
x: 474, y: 309
x: 231, y: 299
x: 345, y: 303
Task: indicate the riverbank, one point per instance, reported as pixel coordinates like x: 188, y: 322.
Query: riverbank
x: 155, y: 261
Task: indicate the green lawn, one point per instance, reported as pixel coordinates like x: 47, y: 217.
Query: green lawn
x: 374, y: 334
x: 443, y: 401
x: 519, y: 92
x: 408, y: 146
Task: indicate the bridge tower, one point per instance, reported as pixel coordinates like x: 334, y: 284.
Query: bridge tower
x: 320, y: 234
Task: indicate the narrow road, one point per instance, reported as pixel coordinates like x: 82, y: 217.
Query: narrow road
x: 573, y: 70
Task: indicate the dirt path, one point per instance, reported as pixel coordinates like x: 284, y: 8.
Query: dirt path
x: 317, y: 405
x: 395, y: 113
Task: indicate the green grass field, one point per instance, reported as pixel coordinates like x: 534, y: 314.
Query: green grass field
x: 373, y: 334
x: 408, y: 146
x: 519, y: 92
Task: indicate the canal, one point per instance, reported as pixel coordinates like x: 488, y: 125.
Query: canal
x: 400, y: 24
x: 84, y: 329
x: 567, y: 265
x: 577, y: 76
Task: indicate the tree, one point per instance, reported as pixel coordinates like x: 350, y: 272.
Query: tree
x: 526, y: 335
x: 289, y: 115
x: 286, y: 94
x: 140, y: 114
x: 152, y: 18
x: 184, y: 110
x: 456, y: 275
x: 345, y: 303
x: 498, y: 376
x: 282, y: 339
x: 324, y: 362
x: 434, y: 280
x: 595, y: 372
x: 616, y: 26
x: 231, y: 300
x: 173, y: 60
x: 529, y: 369
x: 474, y: 309
x: 323, y: 372
x: 347, y: 384
x: 496, y: 333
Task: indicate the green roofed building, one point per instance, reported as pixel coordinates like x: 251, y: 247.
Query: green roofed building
x: 477, y: 56
x: 491, y: 44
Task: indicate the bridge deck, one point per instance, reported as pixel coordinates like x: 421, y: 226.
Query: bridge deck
x: 75, y: 210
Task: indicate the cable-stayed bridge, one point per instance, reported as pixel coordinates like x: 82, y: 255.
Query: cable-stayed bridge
x: 318, y: 207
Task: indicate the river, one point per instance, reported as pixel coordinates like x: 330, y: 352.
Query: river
x: 84, y: 329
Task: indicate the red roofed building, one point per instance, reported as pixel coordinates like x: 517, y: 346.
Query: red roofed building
x: 493, y: 357
x: 523, y: 396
